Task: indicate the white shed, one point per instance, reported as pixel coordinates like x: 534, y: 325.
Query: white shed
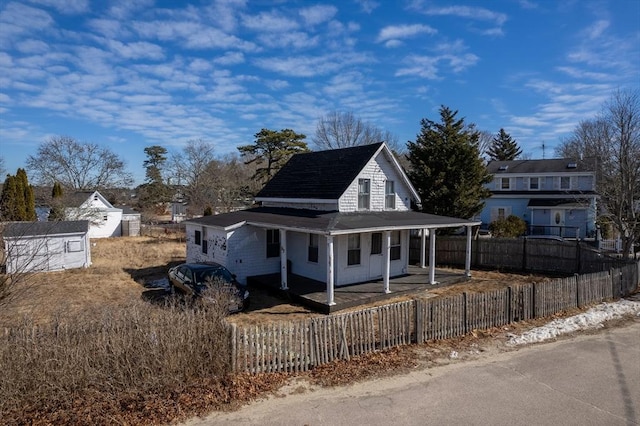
x: 46, y: 246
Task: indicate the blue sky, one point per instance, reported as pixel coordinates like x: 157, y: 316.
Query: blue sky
x: 130, y: 74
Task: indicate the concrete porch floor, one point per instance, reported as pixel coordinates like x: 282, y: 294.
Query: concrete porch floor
x: 313, y: 294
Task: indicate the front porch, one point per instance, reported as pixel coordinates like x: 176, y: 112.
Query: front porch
x: 313, y: 294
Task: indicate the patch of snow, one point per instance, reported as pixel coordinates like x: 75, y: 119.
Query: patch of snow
x: 453, y: 355
x: 593, y: 318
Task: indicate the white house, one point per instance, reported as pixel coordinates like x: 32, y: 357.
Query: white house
x: 340, y: 216
x: 105, y: 219
x: 46, y: 246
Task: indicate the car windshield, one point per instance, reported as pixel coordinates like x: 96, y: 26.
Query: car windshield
x: 202, y: 276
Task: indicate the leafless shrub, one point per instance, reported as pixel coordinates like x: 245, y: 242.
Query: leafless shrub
x: 135, y: 350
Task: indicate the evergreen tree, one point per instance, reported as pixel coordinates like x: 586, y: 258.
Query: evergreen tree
x: 503, y: 147
x: 273, y: 149
x: 57, y: 209
x: 29, y: 197
x: 17, y: 202
x: 446, y: 168
x: 154, y: 190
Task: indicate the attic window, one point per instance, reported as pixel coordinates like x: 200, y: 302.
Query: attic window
x: 572, y: 165
x: 95, y: 197
x: 503, y: 168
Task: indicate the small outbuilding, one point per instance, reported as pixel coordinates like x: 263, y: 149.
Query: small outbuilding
x: 46, y: 246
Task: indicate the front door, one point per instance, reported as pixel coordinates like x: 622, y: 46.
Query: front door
x: 375, y: 259
x: 557, y: 222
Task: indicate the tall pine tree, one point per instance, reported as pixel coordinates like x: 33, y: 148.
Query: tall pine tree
x: 17, y: 202
x: 503, y: 147
x: 57, y: 209
x: 446, y: 167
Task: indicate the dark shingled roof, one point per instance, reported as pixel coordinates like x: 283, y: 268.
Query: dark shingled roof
x: 552, y: 165
x: 330, y: 221
x: 31, y: 229
x: 319, y: 175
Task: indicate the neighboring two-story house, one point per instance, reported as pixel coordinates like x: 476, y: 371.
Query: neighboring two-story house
x: 555, y: 196
x: 340, y: 216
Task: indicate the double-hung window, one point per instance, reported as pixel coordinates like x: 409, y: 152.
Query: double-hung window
x: 273, y: 243
x: 353, y: 249
x: 505, y: 183
x: 313, y: 248
x: 565, y: 182
x: 395, y: 245
x: 364, y: 193
x: 197, y: 237
x: 389, y: 195
x: 534, y: 183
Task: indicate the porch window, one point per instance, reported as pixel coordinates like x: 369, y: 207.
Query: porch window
x: 197, y: 236
x: 534, y: 183
x: 376, y: 243
x: 389, y: 195
x: 364, y: 193
x: 273, y: 242
x: 353, y: 250
x: 313, y: 248
x: 565, y: 182
x: 395, y: 245
x: 505, y: 183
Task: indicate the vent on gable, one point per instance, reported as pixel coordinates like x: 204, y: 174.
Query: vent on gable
x: 503, y: 168
x: 572, y: 165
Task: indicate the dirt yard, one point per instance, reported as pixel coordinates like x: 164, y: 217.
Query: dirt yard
x: 125, y: 269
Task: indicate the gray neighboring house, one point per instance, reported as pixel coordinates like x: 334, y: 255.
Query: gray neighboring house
x: 46, y: 246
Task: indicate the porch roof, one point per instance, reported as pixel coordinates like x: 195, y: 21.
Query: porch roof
x: 330, y: 222
x: 559, y: 202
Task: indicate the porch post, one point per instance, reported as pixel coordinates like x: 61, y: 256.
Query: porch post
x: 423, y: 248
x: 432, y: 257
x: 387, y: 260
x: 467, y: 260
x: 283, y: 260
x: 330, y: 282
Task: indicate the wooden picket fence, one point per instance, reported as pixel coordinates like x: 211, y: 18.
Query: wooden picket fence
x: 301, y: 345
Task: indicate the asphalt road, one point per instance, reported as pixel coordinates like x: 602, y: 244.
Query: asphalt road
x: 586, y: 380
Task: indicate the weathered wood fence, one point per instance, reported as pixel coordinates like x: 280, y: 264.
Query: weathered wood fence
x: 521, y: 254
x: 298, y: 346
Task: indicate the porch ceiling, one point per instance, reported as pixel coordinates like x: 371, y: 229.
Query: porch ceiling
x: 331, y: 222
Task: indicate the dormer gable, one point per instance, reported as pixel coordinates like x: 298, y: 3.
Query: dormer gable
x: 325, y: 180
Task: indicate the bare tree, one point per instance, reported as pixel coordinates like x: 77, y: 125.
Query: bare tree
x: 2, y: 167
x: 76, y: 165
x: 613, y: 139
x: 189, y: 170
x: 344, y: 129
x: 485, y: 139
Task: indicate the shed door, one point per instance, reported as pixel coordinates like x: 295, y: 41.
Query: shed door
x: 55, y: 249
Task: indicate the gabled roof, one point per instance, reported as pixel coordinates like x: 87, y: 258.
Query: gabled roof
x: 323, y: 175
x: 78, y: 198
x: 31, y: 229
x: 551, y: 165
x: 329, y: 222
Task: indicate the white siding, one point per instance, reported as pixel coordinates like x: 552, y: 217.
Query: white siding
x: 247, y: 253
x: 48, y: 253
x: 359, y: 273
x: 217, y: 249
x: 379, y: 170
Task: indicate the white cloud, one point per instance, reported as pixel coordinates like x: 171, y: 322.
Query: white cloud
x: 295, y: 39
x: 475, y: 13
x: 368, y: 6
x: 318, y: 14
x: 269, y: 22
x: 230, y: 58
x: 597, y: 29
x: 136, y: 50
x: 32, y: 46
x: 310, y: 66
x: 67, y: 6
x: 394, y: 33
